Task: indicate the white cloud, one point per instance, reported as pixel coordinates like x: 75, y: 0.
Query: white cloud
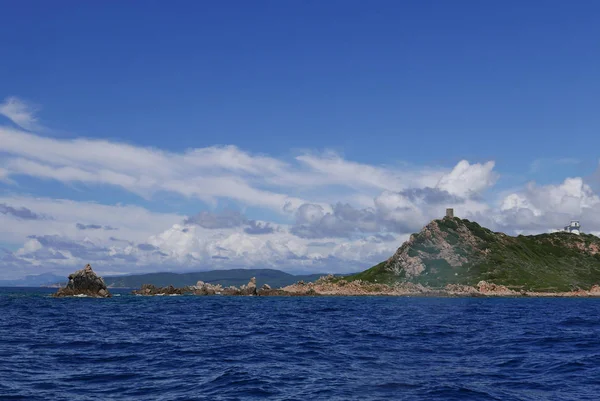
x: 337, y: 170
x: 205, y: 174
x: 538, y: 208
x: 62, y: 216
x: 20, y: 113
x: 468, y: 180
x: 146, y: 241
x: 401, y: 200
x: 219, y: 172
x: 348, y: 215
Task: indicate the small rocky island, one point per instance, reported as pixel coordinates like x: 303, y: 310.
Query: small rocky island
x: 84, y: 283
x: 202, y: 288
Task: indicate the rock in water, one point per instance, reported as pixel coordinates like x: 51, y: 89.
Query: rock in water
x: 149, y: 289
x: 84, y: 282
x: 250, y: 288
x: 245, y: 289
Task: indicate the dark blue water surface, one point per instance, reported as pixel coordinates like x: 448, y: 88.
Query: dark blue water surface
x: 342, y: 348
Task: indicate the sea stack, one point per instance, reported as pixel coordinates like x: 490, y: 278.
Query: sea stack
x: 84, y: 282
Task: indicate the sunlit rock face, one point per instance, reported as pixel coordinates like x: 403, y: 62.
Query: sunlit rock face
x: 84, y: 282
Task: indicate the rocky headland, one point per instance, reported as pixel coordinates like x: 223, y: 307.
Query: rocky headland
x: 453, y: 251
x: 84, y: 283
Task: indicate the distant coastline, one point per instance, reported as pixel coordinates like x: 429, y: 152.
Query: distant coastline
x: 449, y: 257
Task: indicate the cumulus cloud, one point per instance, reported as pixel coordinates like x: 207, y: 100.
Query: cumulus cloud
x: 355, y: 238
x: 430, y: 195
x: 147, y: 247
x: 543, y: 208
x: 399, y: 212
x: 343, y: 221
x: 257, y: 228
x: 467, y: 180
x: 229, y: 219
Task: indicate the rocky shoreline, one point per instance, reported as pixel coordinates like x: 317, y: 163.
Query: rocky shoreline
x: 334, y: 286
x: 85, y: 283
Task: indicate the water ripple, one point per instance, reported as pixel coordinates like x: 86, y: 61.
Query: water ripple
x: 338, y: 348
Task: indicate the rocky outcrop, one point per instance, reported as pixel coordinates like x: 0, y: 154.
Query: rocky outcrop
x: 494, y: 289
x: 84, y: 282
x: 461, y: 290
x: 340, y: 286
x: 246, y: 289
x: 202, y: 288
x: 330, y: 285
x: 149, y: 289
x: 250, y: 288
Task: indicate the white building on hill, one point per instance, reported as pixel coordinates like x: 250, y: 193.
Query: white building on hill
x: 573, y: 227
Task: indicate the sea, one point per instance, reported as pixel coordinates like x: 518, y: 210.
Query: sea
x: 297, y: 348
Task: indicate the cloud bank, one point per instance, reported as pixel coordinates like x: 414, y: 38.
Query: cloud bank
x: 316, y: 211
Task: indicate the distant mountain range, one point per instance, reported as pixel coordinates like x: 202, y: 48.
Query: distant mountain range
x: 39, y: 280
x: 237, y: 277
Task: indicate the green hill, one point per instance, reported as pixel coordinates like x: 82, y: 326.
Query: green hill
x: 456, y: 251
x: 237, y: 277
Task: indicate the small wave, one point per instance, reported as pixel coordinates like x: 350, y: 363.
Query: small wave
x: 290, y: 348
x: 578, y: 321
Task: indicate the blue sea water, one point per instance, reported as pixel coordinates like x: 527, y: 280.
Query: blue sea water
x: 329, y: 348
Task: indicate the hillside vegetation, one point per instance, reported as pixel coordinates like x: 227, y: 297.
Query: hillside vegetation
x: 457, y: 251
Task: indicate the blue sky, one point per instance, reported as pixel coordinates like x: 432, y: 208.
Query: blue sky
x: 365, y: 104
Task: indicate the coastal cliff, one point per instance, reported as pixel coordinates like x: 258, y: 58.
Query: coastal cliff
x: 453, y: 251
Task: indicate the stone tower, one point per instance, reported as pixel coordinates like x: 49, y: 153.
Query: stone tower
x: 450, y: 213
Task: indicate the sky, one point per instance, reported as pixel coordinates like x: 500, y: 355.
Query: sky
x: 307, y: 136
